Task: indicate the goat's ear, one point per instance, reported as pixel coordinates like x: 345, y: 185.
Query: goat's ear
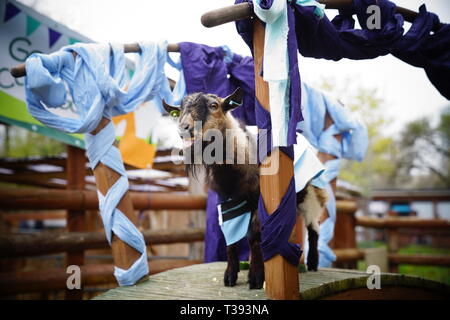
x: 233, y: 100
x: 172, y: 110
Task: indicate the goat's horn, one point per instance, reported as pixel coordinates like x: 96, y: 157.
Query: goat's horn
x: 169, y: 108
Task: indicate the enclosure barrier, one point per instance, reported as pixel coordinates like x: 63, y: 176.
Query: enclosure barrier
x: 393, y: 224
x: 23, y: 245
x: 26, y: 245
x: 27, y: 198
x: 124, y: 254
x: 12, y: 283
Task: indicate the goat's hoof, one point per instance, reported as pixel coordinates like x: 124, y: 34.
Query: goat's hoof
x: 230, y: 278
x: 312, y: 267
x: 255, y: 280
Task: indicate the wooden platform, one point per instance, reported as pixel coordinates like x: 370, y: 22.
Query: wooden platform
x: 205, y: 282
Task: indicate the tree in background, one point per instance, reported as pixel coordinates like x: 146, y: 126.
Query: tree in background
x: 425, y: 148
x: 418, y: 157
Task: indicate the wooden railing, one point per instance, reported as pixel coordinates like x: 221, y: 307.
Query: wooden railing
x: 13, y: 246
x: 393, y: 225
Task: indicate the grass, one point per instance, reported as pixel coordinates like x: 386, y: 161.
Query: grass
x: 436, y: 273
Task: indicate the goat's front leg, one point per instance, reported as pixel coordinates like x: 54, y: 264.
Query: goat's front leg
x: 256, y: 272
x: 231, y: 273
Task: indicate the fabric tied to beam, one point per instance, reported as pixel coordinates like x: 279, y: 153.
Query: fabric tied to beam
x: 353, y: 145
x: 277, y: 227
x: 219, y: 71
x: 276, y: 64
x: 285, y: 124
x: 179, y: 91
x: 96, y: 81
x: 100, y: 148
x: 424, y: 45
x: 306, y: 164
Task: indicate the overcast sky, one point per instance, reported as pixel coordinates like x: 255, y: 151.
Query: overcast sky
x: 406, y: 90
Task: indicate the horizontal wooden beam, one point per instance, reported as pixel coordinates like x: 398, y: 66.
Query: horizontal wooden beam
x: 401, y: 222
x: 55, y: 279
x: 22, y: 245
x: 420, y: 259
x: 45, y: 199
x: 20, y: 71
x: 346, y: 206
x: 59, y: 160
x: 244, y: 11
x: 348, y: 254
x: 39, y: 215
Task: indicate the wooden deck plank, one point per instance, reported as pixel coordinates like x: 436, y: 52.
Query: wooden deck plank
x: 205, y: 282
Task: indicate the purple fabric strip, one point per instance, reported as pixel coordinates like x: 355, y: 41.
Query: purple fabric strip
x: 420, y: 48
x: 206, y: 71
x: 277, y: 227
x: 245, y: 29
x: 215, y: 246
x: 337, y: 39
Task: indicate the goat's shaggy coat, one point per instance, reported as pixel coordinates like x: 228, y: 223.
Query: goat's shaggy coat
x: 232, y: 180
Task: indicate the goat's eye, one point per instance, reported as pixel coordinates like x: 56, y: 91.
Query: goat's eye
x: 214, y: 106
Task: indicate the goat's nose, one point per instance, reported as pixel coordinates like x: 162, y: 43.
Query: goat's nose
x: 184, y: 126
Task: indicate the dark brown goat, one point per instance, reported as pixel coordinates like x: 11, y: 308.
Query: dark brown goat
x: 200, y: 113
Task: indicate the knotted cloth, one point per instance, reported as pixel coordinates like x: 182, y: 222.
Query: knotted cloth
x: 96, y: 81
x: 353, y: 145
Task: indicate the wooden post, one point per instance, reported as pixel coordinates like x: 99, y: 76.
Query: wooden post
x: 345, y: 235
x: 393, y: 241
x: 124, y: 255
x: 75, y: 172
x: 282, y: 278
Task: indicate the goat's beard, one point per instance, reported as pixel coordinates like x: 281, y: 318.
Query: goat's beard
x: 193, y: 150
x: 194, y: 156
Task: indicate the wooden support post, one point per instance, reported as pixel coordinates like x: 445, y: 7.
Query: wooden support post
x: 393, y: 246
x: 345, y: 235
x: 76, y: 173
x: 282, y: 278
x: 124, y: 255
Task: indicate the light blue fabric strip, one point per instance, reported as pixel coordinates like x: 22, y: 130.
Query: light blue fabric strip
x: 276, y: 66
x: 353, y: 145
x: 96, y: 80
x: 236, y: 228
x: 306, y: 164
x: 179, y: 91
